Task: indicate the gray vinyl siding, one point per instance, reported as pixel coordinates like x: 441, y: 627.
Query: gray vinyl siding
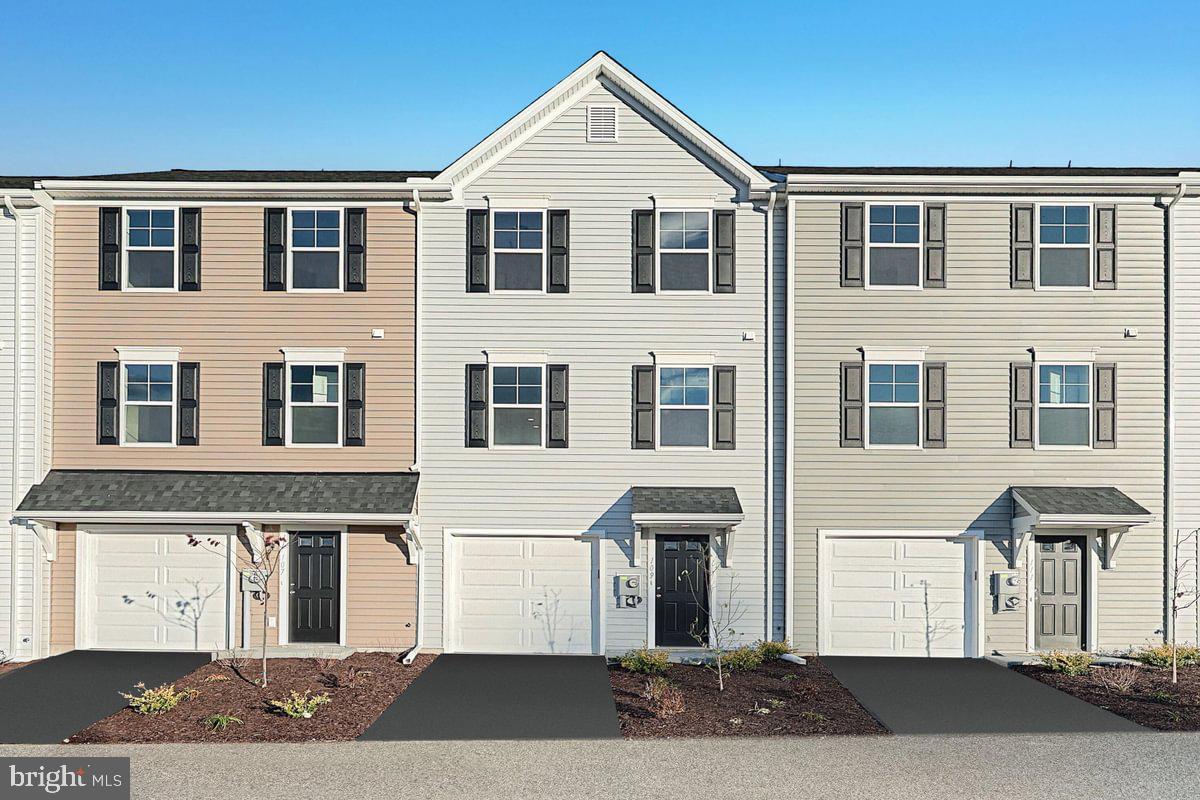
x: 600, y: 329
x: 978, y: 325
x: 1186, y: 461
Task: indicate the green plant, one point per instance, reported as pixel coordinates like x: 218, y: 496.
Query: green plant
x: 646, y: 661
x: 219, y: 722
x: 1160, y: 656
x: 743, y: 658
x: 775, y: 702
x: 814, y: 716
x: 1067, y: 663
x: 158, y: 700
x: 773, y: 650
x: 300, y: 706
x: 1162, y: 697
x: 216, y: 678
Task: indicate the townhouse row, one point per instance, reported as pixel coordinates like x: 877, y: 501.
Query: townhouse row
x: 600, y: 383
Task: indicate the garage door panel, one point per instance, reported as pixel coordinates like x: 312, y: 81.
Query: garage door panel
x: 863, y: 579
x: 499, y: 546
x: 867, y: 642
x: 863, y: 610
x: 492, y: 578
x: 863, y: 548
x: 933, y: 580
x: 497, y: 607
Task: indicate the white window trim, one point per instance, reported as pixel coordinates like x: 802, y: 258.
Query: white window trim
x: 919, y: 245
x: 492, y: 405
x: 1037, y: 246
x: 341, y: 268
x: 493, y: 250
x: 587, y: 123
x: 128, y: 358
x: 125, y: 250
x: 1037, y: 404
x: 659, y: 249
x: 659, y: 406
x: 867, y: 403
x: 288, y: 404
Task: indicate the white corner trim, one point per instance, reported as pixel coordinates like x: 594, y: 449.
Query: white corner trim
x: 518, y: 202
x: 517, y: 356
x: 684, y: 357
x: 894, y: 354
x: 685, y: 201
x: 314, y: 355
x: 149, y: 353
x: 1065, y: 356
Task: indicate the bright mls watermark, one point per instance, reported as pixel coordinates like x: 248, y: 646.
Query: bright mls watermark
x: 99, y: 778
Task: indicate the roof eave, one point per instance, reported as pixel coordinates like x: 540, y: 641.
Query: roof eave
x: 800, y: 183
x: 210, y: 518
x: 233, y: 190
x: 686, y: 520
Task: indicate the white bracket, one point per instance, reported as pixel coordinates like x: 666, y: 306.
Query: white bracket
x: 1022, y: 532
x: 47, y: 535
x: 1112, y: 540
x: 412, y: 532
x: 256, y: 539
x: 727, y: 547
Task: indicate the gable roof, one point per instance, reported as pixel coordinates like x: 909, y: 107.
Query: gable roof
x: 1083, y: 500
x: 546, y: 108
x: 266, y: 175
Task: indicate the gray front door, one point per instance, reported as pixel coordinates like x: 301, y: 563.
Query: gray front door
x: 1061, y: 592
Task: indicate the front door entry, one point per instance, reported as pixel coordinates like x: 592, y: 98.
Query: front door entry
x: 1061, y: 586
x: 315, y: 592
x: 681, y: 591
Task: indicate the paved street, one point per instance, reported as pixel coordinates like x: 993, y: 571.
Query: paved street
x: 1015, y: 766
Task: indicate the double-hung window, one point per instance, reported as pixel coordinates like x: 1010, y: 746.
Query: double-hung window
x: 1064, y: 405
x: 314, y: 410
x: 315, y: 249
x: 684, y: 406
x: 684, y: 251
x: 518, y: 403
x: 147, y: 403
x: 894, y: 245
x: 893, y: 405
x: 519, y: 250
x: 1064, y: 247
x: 151, y: 255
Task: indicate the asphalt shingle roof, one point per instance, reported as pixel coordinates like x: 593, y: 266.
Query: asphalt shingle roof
x: 985, y: 171
x: 1099, y: 500
x: 215, y: 492
x: 266, y: 175
x: 686, y: 500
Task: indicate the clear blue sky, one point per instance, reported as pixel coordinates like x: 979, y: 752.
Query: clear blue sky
x: 109, y: 86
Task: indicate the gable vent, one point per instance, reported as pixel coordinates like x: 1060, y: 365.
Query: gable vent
x: 601, y: 123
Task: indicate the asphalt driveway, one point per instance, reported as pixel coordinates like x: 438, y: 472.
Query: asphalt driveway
x: 504, y: 697
x: 49, y: 700
x: 951, y: 696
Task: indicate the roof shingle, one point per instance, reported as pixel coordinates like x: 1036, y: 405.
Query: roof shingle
x: 1095, y: 500
x: 686, y: 500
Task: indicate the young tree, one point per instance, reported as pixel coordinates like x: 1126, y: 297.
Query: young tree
x: 1185, y: 591
x: 722, y: 610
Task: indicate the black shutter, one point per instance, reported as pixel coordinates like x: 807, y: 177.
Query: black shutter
x: 557, y: 396
x: 935, y: 246
x: 643, y: 251
x: 477, y: 251
x: 477, y: 405
x: 643, y: 408
x: 189, y: 250
x: 1105, y: 407
x: 188, y: 383
x: 1106, y: 248
x: 558, y: 251
x: 933, y: 405
x: 1021, y: 432
x: 724, y: 407
x: 354, y: 388
x: 724, y: 267
x: 110, y: 250
x: 852, y: 404
x: 1022, y: 226
x: 354, y: 245
x: 273, y: 404
x: 852, y: 244
x: 108, y: 413
x: 275, y: 250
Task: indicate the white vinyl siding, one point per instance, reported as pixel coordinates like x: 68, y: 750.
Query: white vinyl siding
x: 1186, y: 461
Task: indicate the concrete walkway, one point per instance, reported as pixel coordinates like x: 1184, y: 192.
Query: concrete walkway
x: 951, y: 696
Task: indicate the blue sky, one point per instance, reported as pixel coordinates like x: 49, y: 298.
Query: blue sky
x: 99, y: 87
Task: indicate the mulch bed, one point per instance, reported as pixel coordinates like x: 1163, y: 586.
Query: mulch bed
x: 351, y: 710
x: 1153, y: 700
x: 801, y: 700
x: 11, y: 665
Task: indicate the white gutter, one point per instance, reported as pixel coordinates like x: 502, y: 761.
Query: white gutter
x: 416, y: 466
x: 414, y: 541
x: 797, y: 181
x: 14, y: 571
x: 789, y: 490
x: 1169, y: 456
x: 769, y: 630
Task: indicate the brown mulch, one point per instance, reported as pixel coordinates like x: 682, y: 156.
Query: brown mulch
x: 1153, y: 700
x: 351, y: 710
x: 801, y: 700
x: 9, y: 666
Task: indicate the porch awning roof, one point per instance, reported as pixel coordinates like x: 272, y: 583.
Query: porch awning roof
x: 1105, y: 509
x: 686, y: 504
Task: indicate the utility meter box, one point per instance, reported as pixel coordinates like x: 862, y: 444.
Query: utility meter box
x: 629, y: 591
x: 251, y: 581
x: 1006, y: 591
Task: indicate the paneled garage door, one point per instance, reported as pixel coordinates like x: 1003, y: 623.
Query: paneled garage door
x: 524, y: 594
x: 897, y: 596
x: 149, y: 591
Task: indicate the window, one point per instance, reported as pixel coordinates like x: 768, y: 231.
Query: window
x: 1064, y: 405
x: 894, y: 251
x: 148, y: 404
x: 315, y: 254
x: 314, y: 404
x: 893, y: 405
x: 683, y: 251
x: 150, y: 248
x: 519, y: 252
x: 517, y: 406
x: 684, y: 400
x: 1064, y: 247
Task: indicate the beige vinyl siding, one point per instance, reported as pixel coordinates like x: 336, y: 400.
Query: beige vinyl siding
x: 381, y: 589
x: 62, y: 592
x: 1186, y: 458
x: 978, y: 325
x: 232, y: 327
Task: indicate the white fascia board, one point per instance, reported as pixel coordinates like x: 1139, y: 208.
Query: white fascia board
x: 798, y: 182
x: 117, y: 190
x: 213, y: 517
x: 688, y: 520
x: 1092, y: 520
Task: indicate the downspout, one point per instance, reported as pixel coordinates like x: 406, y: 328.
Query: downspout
x: 416, y: 467
x: 14, y: 571
x: 769, y: 632
x: 414, y: 541
x: 789, y: 489
x: 1169, y: 368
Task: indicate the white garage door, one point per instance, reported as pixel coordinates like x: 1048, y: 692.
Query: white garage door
x: 519, y: 594
x: 896, y: 596
x: 154, y: 592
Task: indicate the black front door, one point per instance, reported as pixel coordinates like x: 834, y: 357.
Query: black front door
x: 681, y: 591
x: 1061, y: 592
x: 316, y: 569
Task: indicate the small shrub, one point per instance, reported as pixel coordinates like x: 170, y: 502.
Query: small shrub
x: 664, y: 696
x: 219, y: 722
x: 813, y: 716
x: 216, y: 677
x: 1067, y: 663
x: 1119, y: 680
x: 743, y: 659
x: 1162, y: 697
x: 775, y: 702
x: 773, y: 650
x: 344, y: 678
x: 158, y: 700
x: 1160, y: 656
x: 646, y: 661
x: 300, y: 706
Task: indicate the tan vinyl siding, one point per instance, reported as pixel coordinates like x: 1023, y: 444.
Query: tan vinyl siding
x: 232, y: 327
x: 381, y: 589
x: 62, y: 592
